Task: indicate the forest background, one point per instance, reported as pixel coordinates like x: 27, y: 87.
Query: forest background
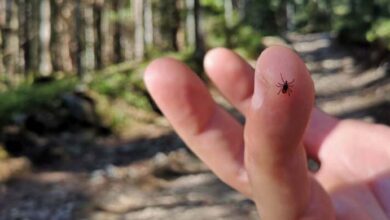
x: 75, y: 114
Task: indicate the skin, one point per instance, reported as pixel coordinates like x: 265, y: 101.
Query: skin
x: 265, y: 159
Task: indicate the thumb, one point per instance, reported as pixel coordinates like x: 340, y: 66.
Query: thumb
x: 274, y: 155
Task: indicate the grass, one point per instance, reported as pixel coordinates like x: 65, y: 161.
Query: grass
x: 27, y: 97
x: 122, y: 82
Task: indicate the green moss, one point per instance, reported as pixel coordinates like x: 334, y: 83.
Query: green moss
x: 248, y: 42
x: 126, y: 84
x: 27, y: 97
x: 122, y: 82
x: 109, y: 114
x: 380, y: 32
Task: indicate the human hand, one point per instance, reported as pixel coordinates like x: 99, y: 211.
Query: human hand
x: 266, y: 159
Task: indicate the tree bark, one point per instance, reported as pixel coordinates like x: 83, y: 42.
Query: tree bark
x: 2, y: 25
x: 24, y: 34
x: 118, y: 54
x: 62, y: 17
x: 107, y: 28
x: 127, y: 30
x: 45, y: 65
x: 11, y: 40
x: 34, y: 36
x: 139, y: 29
x: 290, y: 16
x: 98, y: 17
x: 181, y: 26
x: 228, y: 7
x: 2, y: 13
x: 190, y: 23
x: 167, y: 25
x: 148, y: 23
x: 242, y: 6
x: 89, y: 53
x: 175, y: 26
x: 80, y: 43
x: 193, y: 29
x: 199, y: 47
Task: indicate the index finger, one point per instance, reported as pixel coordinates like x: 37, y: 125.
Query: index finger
x: 211, y: 133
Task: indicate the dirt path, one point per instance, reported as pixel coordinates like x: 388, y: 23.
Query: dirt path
x: 148, y: 174
x: 345, y: 87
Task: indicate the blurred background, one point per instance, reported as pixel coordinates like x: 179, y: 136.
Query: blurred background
x: 82, y: 139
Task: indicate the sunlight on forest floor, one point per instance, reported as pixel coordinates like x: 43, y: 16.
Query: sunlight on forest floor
x: 143, y: 171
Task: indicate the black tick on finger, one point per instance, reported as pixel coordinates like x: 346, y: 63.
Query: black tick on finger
x: 285, y: 86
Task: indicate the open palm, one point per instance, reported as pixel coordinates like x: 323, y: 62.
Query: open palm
x: 355, y: 167
x: 265, y: 159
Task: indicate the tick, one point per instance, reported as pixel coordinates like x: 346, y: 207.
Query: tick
x: 285, y: 86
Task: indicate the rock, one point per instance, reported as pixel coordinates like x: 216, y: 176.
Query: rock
x: 177, y: 163
x: 13, y: 167
x: 21, y: 142
x: 81, y: 108
x: 42, y: 122
x: 273, y: 40
x: 121, y: 199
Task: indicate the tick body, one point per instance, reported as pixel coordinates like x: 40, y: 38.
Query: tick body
x: 285, y: 86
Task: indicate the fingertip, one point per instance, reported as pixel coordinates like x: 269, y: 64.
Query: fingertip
x: 278, y: 62
x: 158, y: 69
x: 280, y: 111
x: 284, y: 84
x: 226, y: 58
x: 179, y: 92
x: 211, y: 58
x: 276, y: 59
x: 232, y: 75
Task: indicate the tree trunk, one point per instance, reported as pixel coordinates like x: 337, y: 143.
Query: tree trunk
x: 118, y: 54
x: 107, y: 28
x: 199, y: 47
x: 193, y: 32
x: 127, y: 30
x: 2, y: 25
x: 175, y: 25
x: 2, y: 13
x: 190, y: 23
x: 34, y: 36
x: 167, y: 25
x: 242, y: 6
x: 89, y: 54
x: 228, y: 7
x: 290, y: 11
x: 148, y: 23
x: 80, y: 44
x: 45, y: 65
x: 62, y: 16
x: 11, y: 40
x: 24, y: 33
x: 180, y: 25
x: 139, y: 29
x: 98, y: 16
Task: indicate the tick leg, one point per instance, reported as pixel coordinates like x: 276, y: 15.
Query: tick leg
x: 289, y: 92
x: 279, y: 91
x: 281, y: 77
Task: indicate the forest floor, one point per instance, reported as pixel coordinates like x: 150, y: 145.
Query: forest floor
x: 147, y: 173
